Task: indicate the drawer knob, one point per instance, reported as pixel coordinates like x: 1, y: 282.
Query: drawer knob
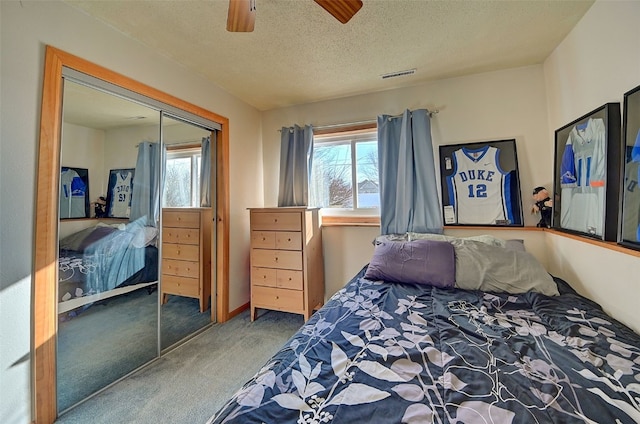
x: 275, y: 220
x: 289, y: 278
x: 288, y: 239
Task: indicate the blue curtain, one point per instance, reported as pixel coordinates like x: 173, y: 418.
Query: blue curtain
x: 296, y: 155
x: 408, y: 190
x: 205, y: 170
x: 145, y: 199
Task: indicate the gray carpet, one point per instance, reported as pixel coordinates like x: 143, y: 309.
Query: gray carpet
x: 113, y: 337
x: 190, y: 383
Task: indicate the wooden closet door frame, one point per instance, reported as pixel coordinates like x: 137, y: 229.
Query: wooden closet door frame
x: 44, y: 399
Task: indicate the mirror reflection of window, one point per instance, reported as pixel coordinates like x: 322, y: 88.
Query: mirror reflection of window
x: 182, y: 178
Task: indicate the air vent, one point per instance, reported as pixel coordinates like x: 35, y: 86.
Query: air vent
x: 399, y: 74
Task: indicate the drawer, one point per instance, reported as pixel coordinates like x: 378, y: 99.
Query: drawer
x: 181, y: 268
x: 278, y: 299
x: 263, y: 276
x: 263, y: 239
x: 183, y: 252
x: 289, y: 240
x: 284, y: 259
x: 181, y: 286
x: 284, y: 221
x: 181, y: 219
x: 181, y: 235
x: 286, y: 279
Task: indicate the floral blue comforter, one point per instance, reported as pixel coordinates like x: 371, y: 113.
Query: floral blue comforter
x: 381, y: 352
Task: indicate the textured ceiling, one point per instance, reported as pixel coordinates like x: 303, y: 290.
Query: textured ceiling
x: 298, y: 53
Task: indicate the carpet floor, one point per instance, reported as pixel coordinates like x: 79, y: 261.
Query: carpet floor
x: 113, y: 337
x: 193, y: 381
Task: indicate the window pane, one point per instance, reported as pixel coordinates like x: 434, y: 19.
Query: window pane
x: 367, y: 174
x: 177, y: 189
x: 331, y: 176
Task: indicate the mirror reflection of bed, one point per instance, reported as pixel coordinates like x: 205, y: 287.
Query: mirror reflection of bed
x: 110, y: 318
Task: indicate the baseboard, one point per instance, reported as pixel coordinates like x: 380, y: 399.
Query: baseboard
x: 238, y: 310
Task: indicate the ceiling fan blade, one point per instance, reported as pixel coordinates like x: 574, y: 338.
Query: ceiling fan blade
x: 342, y: 10
x: 241, y: 16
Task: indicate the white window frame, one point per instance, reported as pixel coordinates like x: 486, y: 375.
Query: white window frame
x: 352, y: 137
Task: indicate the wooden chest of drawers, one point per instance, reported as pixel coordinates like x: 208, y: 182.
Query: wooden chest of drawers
x: 186, y: 254
x: 287, y: 269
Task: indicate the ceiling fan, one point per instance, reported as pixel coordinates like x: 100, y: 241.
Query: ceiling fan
x: 242, y: 13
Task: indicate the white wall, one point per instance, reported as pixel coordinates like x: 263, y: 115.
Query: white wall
x: 25, y: 29
x: 597, y: 63
x: 488, y: 106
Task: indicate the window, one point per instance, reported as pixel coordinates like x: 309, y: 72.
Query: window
x: 344, y: 173
x: 182, y: 178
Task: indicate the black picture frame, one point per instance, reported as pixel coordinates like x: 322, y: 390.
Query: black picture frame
x: 586, y: 187
x: 119, y: 192
x: 480, y: 184
x: 74, y: 193
x: 630, y: 190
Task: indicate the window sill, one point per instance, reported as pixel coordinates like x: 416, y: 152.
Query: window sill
x: 350, y: 221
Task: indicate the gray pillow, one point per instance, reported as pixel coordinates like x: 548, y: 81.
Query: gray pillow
x: 391, y: 237
x: 515, y: 244
x: 480, y: 266
x: 421, y: 261
x: 483, y: 238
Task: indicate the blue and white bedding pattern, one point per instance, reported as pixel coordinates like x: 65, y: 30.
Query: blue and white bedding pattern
x: 381, y: 352
x: 102, y: 258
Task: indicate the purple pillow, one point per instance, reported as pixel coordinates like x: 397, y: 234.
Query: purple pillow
x: 97, y: 234
x: 419, y: 261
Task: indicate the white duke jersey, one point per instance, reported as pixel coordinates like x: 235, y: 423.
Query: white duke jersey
x: 583, y: 174
x: 479, y: 189
x: 121, y: 195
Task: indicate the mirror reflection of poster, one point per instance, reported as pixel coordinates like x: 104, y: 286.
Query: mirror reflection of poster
x: 630, y: 231
x: 119, y: 193
x: 480, y: 184
x: 74, y: 193
x: 587, y: 172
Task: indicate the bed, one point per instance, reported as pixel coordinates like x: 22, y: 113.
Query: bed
x: 496, y: 339
x: 103, y: 261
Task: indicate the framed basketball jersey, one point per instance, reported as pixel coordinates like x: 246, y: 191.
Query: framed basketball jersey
x: 480, y: 184
x: 587, y: 174
x: 119, y: 193
x: 630, y: 225
x: 74, y: 193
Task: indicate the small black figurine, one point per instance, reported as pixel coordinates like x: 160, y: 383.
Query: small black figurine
x: 544, y: 205
x: 100, y: 207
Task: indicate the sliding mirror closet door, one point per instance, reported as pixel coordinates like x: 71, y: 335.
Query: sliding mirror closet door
x: 188, y: 238
x: 108, y: 242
